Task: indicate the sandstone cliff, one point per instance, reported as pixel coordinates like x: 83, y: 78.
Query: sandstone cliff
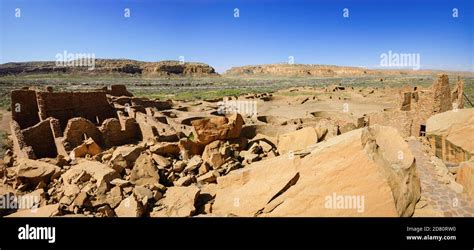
x: 110, y: 66
x: 316, y: 70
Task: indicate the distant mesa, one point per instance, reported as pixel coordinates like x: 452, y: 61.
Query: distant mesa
x: 319, y: 70
x: 111, y: 66
x: 193, y: 69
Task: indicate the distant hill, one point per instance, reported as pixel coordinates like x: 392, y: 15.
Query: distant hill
x: 308, y: 70
x: 109, y: 66
x: 176, y: 68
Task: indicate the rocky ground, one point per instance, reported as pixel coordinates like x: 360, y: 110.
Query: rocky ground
x: 308, y: 151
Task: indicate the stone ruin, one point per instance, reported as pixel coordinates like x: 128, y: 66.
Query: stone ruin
x: 106, y: 153
x: 48, y: 124
x: 418, y: 105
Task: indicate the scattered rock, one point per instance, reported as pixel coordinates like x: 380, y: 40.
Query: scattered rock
x: 165, y: 148
x: 179, y: 166
x: 82, y: 200
x: 208, y: 177
x: 216, y: 153
x: 46, y: 211
x: 120, y: 182
x: 310, y: 186
x: 115, y: 197
x: 144, y: 171
x: 88, y: 147
x: 97, y: 170
x: 127, y: 153
x: 129, y: 207
x: 193, y: 164
x: 217, y: 128
x: 161, y: 161
x: 33, y: 172
x: 142, y: 192
x: 178, y: 202
x: 184, y: 181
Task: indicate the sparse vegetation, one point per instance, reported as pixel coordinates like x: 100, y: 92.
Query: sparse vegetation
x: 188, y: 88
x: 5, y: 143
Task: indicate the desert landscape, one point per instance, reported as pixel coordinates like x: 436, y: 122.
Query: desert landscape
x: 171, y: 139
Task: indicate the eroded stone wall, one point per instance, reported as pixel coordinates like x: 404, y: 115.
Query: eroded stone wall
x: 46, y: 124
x: 40, y: 138
x: 34, y: 142
x: 113, y: 134
x: 442, y: 95
x: 417, y: 106
x: 93, y: 106
x: 24, y: 108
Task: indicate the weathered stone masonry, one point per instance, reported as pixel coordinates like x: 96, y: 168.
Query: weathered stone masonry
x: 46, y: 123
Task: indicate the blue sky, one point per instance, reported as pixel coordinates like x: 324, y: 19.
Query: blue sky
x: 267, y: 31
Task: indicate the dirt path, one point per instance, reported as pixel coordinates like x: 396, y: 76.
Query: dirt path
x: 439, y: 195
x: 5, y: 121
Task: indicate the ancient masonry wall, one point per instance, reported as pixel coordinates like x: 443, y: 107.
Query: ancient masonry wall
x: 442, y: 95
x: 76, y: 129
x: 114, y: 135
x: 93, y: 106
x: 46, y: 124
x: 21, y: 149
x: 36, y: 141
x: 448, y: 151
x: 40, y: 138
x: 417, y: 106
x: 24, y: 108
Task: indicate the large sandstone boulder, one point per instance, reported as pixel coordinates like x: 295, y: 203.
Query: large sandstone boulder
x: 365, y: 172
x: 128, y: 153
x: 246, y: 191
x: 166, y: 148
x: 129, y: 207
x: 391, y: 153
x: 144, y: 171
x: 178, y: 202
x: 101, y: 173
x: 45, y: 211
x: 33, y: 172
x: 297, y: 140
x: 217, y: 128
x: 88, y: 147
x: 465, y: 177
x: 451, y: 135
x: 216, y: 153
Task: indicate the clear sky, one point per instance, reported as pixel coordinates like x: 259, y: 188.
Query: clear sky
x: 266, y: 31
